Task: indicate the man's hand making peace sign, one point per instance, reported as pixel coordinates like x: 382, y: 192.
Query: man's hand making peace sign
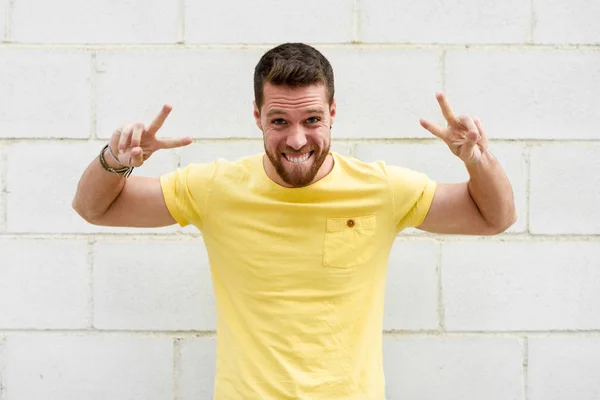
x: 464, y: 135
x: 136, y: 143
x: 484, y: 204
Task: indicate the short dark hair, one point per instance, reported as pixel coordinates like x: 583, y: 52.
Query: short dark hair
x: 293, y: 64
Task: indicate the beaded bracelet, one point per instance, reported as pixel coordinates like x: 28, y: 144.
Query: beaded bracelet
x: 112, y: 155
x: 125, y: 171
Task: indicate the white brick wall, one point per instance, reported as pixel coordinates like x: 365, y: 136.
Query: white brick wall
x: 95, y: 313
x: 268, y: 21
x: 555, y: 20
x: 451, y: 21
x: 527, y: 94
x: 60, y: 366
x: 190, y: 80
x: 195, y: 372
x: 95, y: 21
x: 152, y: 286
x: 565, y: 188
x: 412, y: 294
x: 395, y: 88
x: 42, y: 178
x: 564, y: 368
x: 521, y: 285
x: 453, y: 368
x: 44, y: 284
x: 45, y: 93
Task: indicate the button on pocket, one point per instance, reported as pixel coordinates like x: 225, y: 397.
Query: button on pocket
x: 349, y: 241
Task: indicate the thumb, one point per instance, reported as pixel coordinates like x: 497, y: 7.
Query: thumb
x: 173, y: 143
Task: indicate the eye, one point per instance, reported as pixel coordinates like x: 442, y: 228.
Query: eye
x: 278, y: 121
x: 313, y: 120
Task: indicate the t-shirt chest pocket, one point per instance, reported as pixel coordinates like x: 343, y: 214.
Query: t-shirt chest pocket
x: 349, y: 241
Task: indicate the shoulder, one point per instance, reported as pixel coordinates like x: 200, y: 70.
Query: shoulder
x: 378, y: 168
x: 221, y: 169
x: 353, y: 165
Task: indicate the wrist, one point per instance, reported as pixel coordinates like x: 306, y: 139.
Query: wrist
x: 483, y: 161
x: 116, y: 167
x: 111, y: 158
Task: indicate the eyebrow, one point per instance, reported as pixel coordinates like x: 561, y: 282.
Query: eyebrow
x: 276, y: 111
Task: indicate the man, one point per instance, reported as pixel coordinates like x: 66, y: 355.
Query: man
x: 298, y: 237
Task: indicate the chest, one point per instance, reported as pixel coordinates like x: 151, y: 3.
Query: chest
x: 289, y: 246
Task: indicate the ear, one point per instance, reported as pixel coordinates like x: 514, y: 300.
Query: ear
x: 257, y: 116
x: 332, y: 111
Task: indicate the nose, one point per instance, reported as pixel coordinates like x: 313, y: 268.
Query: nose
x: 296, y: 139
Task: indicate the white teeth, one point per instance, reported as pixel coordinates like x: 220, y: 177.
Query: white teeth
x: 298, y: 159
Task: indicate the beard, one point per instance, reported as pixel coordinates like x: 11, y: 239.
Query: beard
x: 301, y: 174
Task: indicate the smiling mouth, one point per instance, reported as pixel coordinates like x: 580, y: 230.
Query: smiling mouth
x: 298, y: 158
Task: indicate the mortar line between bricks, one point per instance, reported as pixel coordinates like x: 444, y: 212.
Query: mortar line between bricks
x: 3, y: 395
x: 90, y: 261
x: 353, y: 146
x: 443, y: 70
x: 3, y: 189
x: 441, y: 310
x: 50, y: 140
x: 348, y: 140
x: 525, y: 349
x: 112, y: 333
x: 498, y: 334
x: 5, y: 34
x: 176, y: 364
x: 189, y: 334
x: 93, y: 95
x: 8, y: 20
x: 123, y: 237
x: 356, y: 21
x: 181, y: 22
x: 532, y: 22
x: 528, y: 188
x: 342, y: 46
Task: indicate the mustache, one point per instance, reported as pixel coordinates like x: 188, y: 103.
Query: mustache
x: 289, y: 150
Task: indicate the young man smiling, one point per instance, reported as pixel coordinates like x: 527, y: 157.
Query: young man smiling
x: 298, y: 237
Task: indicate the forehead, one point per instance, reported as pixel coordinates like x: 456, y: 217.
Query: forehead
x: 294, y: 97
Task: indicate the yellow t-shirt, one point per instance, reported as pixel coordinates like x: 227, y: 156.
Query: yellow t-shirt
x: 298, y: 274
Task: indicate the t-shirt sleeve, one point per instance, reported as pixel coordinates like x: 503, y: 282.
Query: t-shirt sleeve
x: 186, y: 192
x: 412, y: 194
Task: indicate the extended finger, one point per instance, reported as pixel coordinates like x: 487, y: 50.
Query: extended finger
x: 124, y: 139
x: 136, y: 138
x: 433, y: 128
x: 446, y: 109
x: 159, y: 120
x: 173, y: 143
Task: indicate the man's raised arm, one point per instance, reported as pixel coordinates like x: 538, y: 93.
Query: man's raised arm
x: 482, y: 206
x: 106, y: 195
